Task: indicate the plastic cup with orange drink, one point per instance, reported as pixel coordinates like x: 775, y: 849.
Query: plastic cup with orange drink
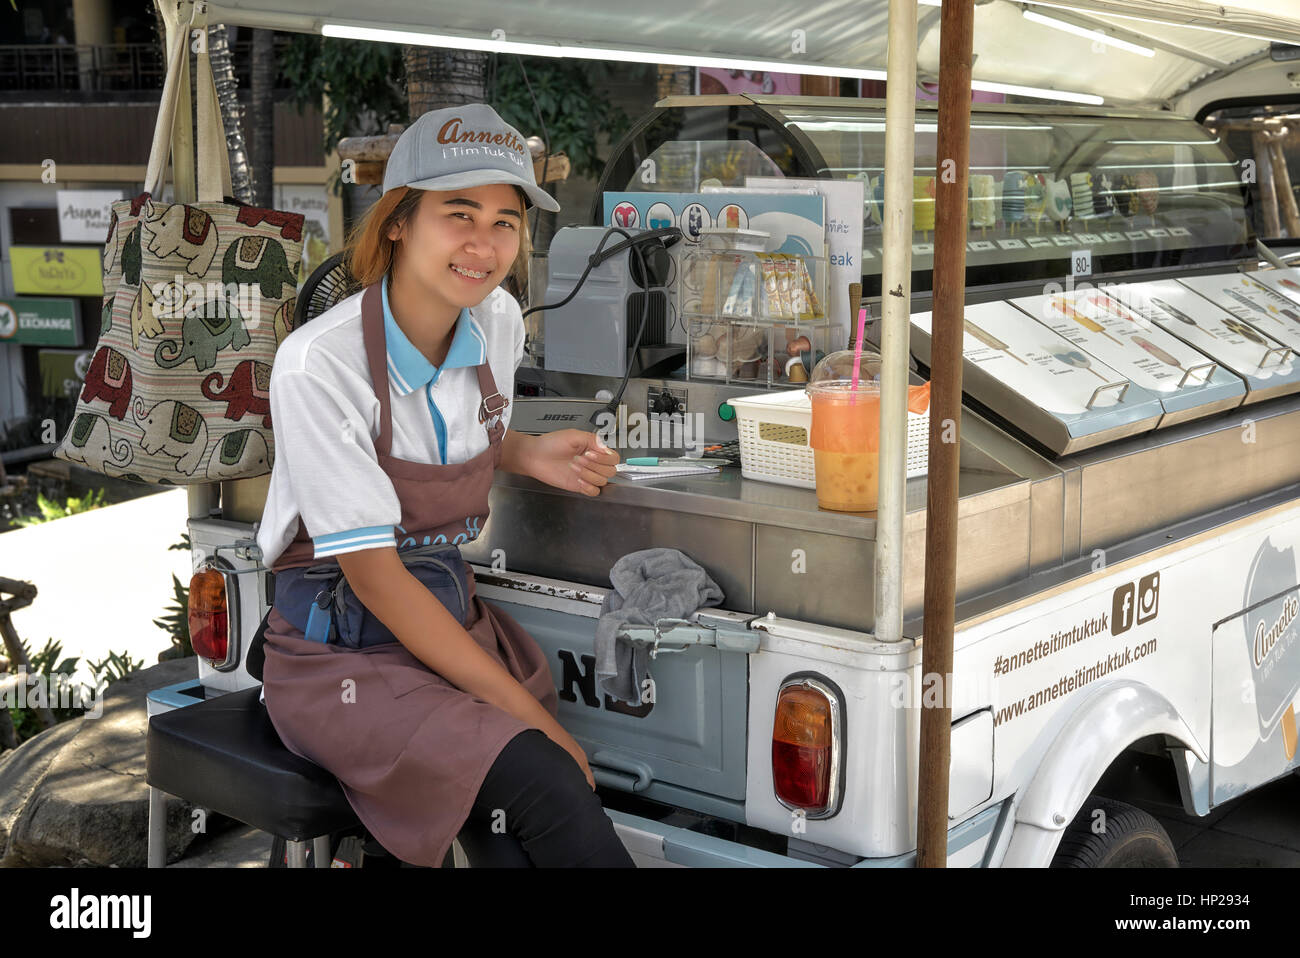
x: 845, y: 434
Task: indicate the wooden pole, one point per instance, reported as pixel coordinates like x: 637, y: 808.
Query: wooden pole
x: 1282, y: 186
x: 956, y: 29
x: 1267, y: 188
x: 21, y: 594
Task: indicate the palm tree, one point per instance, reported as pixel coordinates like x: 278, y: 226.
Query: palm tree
x: 263, y: 110
x: 438, y: 77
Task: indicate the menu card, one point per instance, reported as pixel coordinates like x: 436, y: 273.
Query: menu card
x: 1044, y: 383
x: 1264, y: 309
x: 1263, y: 362
x: 1284, y: 281
x: 1188, y: 382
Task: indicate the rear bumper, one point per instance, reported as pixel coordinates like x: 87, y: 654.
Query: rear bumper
x: 655, y: 845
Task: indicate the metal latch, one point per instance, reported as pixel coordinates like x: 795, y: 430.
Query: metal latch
x: 246, y: 549
x: 678, y: 635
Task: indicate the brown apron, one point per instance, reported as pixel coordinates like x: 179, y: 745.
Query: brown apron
x: 409, y: 748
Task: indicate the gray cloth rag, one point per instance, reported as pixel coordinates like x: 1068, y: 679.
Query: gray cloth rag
x: 648, y: 585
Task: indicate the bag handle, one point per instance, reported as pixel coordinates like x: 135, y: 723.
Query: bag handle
x: 213, y: 158
x: 178, y: 74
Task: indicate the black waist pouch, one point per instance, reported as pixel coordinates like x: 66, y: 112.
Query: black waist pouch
x: 319, y: 601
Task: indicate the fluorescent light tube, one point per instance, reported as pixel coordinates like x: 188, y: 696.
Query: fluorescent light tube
x: 591, y: 53
x: 988, y: 86
x: 657, y: 56
x: 1094, y: 35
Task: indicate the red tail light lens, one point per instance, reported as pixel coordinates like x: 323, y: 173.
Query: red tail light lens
x: 209, y: 628
x: 804, y: 765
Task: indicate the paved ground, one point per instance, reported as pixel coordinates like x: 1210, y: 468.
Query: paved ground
x: 102, y: 577
x: 1261, y: 829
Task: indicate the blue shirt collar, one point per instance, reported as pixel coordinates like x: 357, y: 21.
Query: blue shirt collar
x: 409, y: 369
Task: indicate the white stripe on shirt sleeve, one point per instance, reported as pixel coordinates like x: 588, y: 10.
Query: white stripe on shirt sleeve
x: 339, y: 542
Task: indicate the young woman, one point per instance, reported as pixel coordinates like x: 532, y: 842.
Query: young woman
x: 390, y: 413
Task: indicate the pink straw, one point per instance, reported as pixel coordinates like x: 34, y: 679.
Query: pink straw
x: 857, y: 352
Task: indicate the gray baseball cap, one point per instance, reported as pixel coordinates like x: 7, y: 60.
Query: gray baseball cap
x: 463, y: 146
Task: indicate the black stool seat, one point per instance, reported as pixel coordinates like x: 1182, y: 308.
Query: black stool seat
x: 224, y: 754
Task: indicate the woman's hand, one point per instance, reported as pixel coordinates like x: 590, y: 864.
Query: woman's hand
x: 567, y: 742
x: 571, y: 459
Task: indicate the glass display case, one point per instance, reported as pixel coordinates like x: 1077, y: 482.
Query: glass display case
x: 1135, y: 190
x: 752, y: 316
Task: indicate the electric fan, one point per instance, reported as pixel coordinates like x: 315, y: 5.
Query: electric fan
x: 330, y: 283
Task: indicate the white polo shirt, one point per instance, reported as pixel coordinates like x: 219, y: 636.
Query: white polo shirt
x: 325, y: 416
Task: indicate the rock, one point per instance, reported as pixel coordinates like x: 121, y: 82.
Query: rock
x: 22, y: 770
x: 76, y: 794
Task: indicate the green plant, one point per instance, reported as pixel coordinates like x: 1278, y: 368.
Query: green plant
x: 571, y: 99
x: 363, y: 80
x: 116, y: 665
x: 47, y: 664
x: 176, y: 621
x: 366, y: 94
x: 51, y: 510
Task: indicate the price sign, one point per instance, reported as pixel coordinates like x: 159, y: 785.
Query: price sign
x: 1081, y: 262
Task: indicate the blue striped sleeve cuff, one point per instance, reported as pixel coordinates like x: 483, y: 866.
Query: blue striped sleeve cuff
x: 371, y: 537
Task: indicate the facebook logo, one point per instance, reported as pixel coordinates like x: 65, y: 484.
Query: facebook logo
x: 1132, y: 605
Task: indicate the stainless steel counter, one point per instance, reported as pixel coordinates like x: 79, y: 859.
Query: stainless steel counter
x: 770, y: 548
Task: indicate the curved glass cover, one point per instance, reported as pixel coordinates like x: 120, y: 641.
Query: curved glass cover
x: 1135, y: 191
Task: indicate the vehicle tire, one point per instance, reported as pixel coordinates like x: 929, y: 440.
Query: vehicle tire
x: 1131, y: 839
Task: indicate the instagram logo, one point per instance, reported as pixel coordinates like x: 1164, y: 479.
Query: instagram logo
x: 1148, y: 597
x: 1132, y: 605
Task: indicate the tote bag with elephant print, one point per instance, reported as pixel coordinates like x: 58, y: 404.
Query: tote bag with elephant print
x: 197, y: 299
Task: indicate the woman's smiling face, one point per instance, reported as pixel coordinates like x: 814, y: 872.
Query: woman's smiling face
x: 460, y: 244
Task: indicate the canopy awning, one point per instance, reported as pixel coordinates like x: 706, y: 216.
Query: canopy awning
x: 845, y: 37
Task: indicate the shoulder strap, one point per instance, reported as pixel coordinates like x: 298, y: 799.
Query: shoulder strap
x: 372, y: 332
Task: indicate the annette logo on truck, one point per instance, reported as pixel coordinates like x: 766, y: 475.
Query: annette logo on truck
x: 1131, y: 607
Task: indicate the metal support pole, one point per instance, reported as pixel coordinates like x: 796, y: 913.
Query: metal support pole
x: 297, y: 852
x: 896, y: 300
x: 157, y: 847
x: 956, y: 30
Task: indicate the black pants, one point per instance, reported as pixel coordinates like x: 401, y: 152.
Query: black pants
x: 545, y: 813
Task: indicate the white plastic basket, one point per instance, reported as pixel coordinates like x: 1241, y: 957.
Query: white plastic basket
x: 774, y: 432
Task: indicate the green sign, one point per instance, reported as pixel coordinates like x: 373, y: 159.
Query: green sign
x: 63, y: 371
x: 39, y: 322
x: 57, y: 270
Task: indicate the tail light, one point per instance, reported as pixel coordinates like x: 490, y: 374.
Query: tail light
x: 209, y: 617
x: 807, y: 742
